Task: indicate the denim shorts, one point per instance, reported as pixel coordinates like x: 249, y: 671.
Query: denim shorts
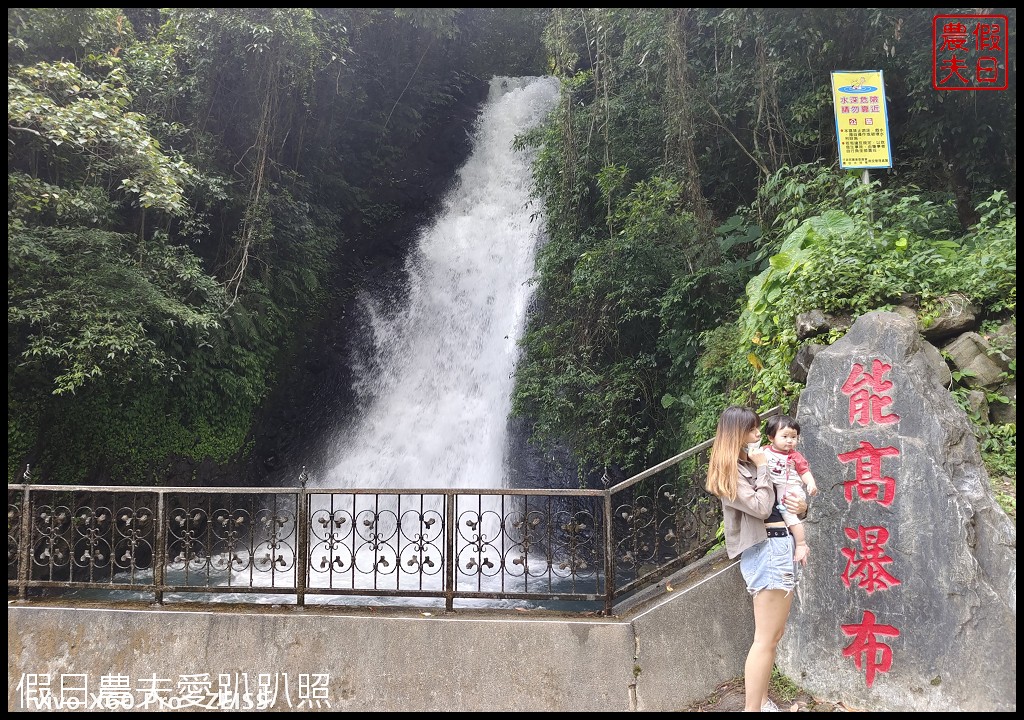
x: 769, y: 565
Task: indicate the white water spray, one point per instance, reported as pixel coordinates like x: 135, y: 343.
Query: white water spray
x: 435, y: 393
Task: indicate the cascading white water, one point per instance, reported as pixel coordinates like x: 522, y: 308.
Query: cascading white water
x: 435, y: 393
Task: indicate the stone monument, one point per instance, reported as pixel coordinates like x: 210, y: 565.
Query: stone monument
x: 909, y: 600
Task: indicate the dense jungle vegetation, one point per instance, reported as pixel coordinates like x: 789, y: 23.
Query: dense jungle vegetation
x: 183, y: 183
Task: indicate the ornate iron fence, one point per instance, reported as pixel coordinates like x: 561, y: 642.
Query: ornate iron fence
x: 590, y: 547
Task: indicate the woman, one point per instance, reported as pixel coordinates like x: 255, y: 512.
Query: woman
x: 754, y: 530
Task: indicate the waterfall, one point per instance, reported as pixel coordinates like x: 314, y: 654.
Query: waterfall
x: 434, y: 389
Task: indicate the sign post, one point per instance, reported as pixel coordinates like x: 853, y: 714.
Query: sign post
x: 862, y: 121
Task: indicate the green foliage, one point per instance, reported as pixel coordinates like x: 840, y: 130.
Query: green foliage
x: 599, y: 373
x: 157, y: 156
x: 719, y: 538
x: 54, y: 108
x: 137, y: 430
x: 23, y: 426
x: 121, y: 248
x: 998, y: 444
x: 63, y: 33
x: 111, y: 315
x: 782, y: 686
x: 883, y: 248
x: 35, y: 201
x: 748, y: 89
x: 86, y: 302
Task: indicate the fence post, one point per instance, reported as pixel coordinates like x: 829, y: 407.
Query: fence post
x: 160, y: 549
x: 609, y: 555
x: 25, y: 532
x: 302, y: 539
x: 451, y: 556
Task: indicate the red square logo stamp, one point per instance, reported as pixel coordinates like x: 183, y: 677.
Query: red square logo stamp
x: 970, y: 52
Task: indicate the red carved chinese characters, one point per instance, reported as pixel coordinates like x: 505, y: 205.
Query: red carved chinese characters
x: 868, y: 475
x: 865, y: 566
x: 866, y: 400
x: 866, y: 562
x: 868, y: 653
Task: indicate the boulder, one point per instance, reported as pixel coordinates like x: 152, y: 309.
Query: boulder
x: 816, y: 322
x: 802, y: 362
x: 909, y: 600
x: 956, y: 315
x: 971, y: 354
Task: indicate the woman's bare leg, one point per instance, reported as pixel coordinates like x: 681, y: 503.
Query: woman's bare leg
x: 771, y: 609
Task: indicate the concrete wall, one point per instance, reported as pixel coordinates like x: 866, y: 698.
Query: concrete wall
x: 666, y: 650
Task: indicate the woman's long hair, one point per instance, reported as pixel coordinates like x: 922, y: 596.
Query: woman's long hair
x: 733, y: 426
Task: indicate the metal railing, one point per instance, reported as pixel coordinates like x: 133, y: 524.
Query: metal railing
x: 591, y: 548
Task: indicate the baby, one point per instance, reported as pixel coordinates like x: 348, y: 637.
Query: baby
x: 789, y: 472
